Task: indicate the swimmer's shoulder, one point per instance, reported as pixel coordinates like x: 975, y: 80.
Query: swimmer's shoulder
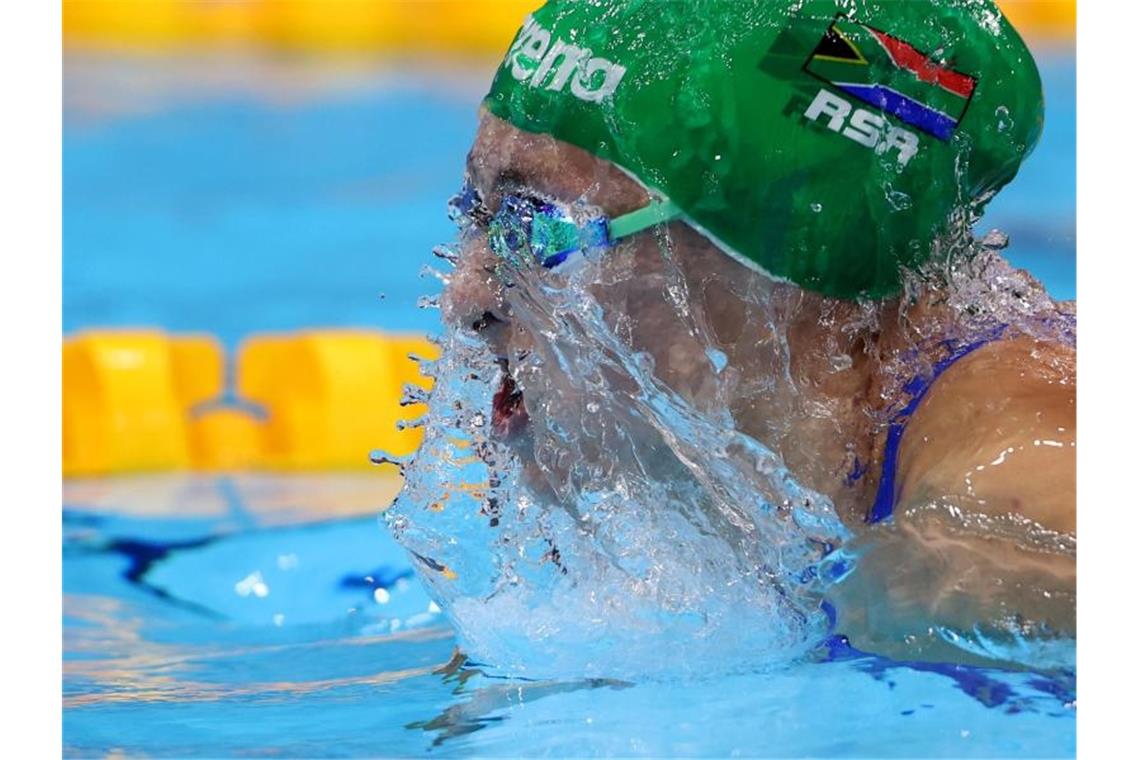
x: 996, y: 433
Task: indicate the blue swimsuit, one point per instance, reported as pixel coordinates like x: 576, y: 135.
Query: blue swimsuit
x: 884, y: 503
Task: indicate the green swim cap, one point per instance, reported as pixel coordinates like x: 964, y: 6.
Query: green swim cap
x: 826, y: 142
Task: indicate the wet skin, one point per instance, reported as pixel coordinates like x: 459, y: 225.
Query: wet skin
x: 994, y: 436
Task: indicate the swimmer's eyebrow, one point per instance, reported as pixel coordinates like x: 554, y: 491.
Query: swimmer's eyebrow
x: 508, y: 178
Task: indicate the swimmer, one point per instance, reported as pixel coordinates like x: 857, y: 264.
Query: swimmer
x: 796, y: 175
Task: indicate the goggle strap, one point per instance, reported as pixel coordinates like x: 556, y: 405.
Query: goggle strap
x: 647, y: 216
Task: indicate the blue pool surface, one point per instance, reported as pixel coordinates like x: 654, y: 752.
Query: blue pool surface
x: 219, y: 617
x: 258, y: 615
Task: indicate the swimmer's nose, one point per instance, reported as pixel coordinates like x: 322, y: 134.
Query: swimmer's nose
x: 473, y: 298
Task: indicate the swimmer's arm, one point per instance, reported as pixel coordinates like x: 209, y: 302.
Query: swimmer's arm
x: 924, y: 589
x: 994, y: 438
x: 996, y: 435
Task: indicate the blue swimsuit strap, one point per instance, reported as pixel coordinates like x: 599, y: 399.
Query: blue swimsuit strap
x: 884, y: 504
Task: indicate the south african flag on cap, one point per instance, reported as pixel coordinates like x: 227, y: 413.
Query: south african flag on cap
x: 891, y: 75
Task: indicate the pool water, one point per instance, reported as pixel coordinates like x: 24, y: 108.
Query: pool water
x: 233, y: 616
x: 272, y: 614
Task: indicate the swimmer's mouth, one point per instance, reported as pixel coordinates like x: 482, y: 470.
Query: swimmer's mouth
x: 508, y: 412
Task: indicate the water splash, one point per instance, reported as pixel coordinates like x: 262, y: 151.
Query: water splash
x: 627, y: 530
x: 585, y: 503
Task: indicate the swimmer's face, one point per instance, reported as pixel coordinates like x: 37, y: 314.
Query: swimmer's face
x: 629, y: 282
x: 631, y: 279
x: 667, y: 292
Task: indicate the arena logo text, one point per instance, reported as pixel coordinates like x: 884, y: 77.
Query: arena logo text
x: 540, y: 62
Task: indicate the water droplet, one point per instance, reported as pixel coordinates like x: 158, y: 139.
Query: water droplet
x: 252, y: 584
x: 428, y: 302
x: 429, y: 271
x: 381, y: 457
x: 898, y: 200
x: 817, y: 207
x: 1004, y: 122
x: 644, y: 361
x: 446, y: 252
x: 413, y: 394
x: 840, y: 362
x: 718, y: 358
x: 995, y: 240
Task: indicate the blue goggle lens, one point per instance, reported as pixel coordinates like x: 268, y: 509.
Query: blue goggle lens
x: 531, y: 226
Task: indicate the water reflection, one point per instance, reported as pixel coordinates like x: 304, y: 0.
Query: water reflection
x: 476, y: 712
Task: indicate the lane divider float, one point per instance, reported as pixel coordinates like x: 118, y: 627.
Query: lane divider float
x: 144, y: 400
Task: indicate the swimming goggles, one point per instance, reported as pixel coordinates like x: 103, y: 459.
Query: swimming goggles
x: 548, y: 230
